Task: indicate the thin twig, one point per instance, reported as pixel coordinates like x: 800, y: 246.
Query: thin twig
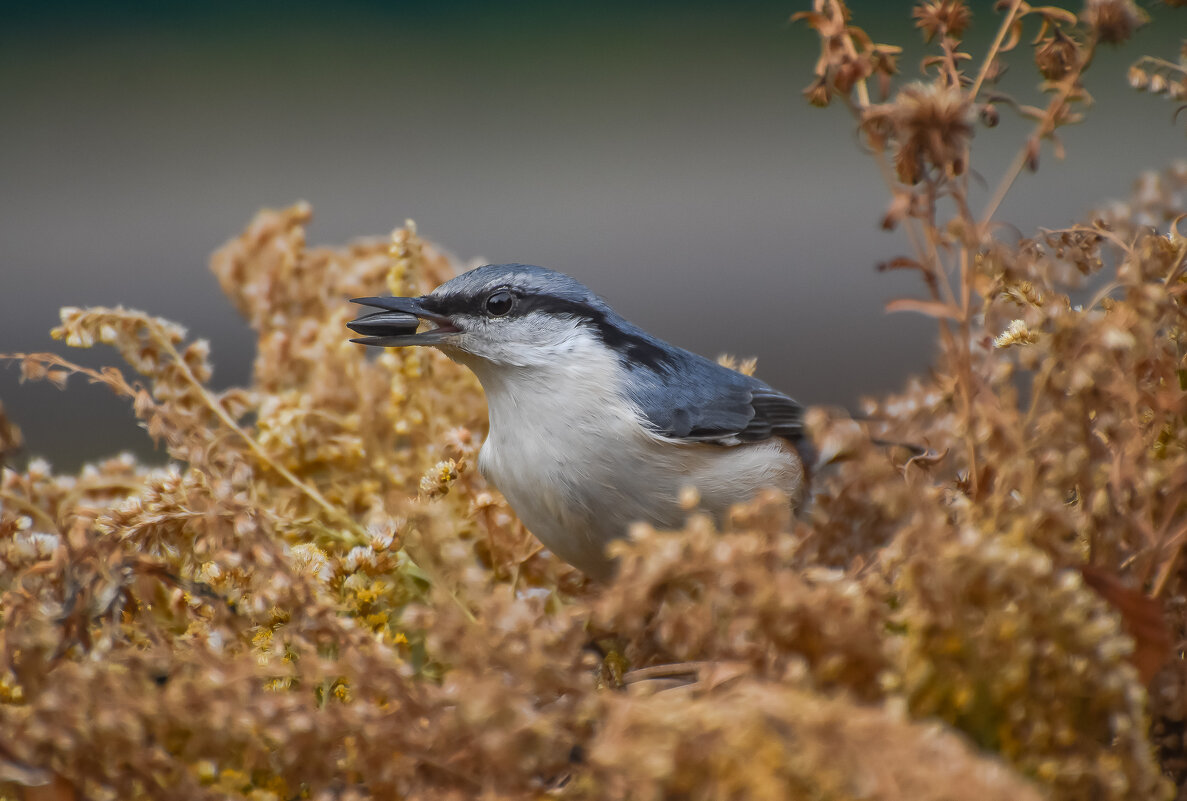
x: 670, y: 671
x: 966, y: 368
x: 222, y: 414
x: 928, y: 256
x: 1168, y: 567
x: 983, y: 73
x: 929, y: 260
x: 310, y: 492
x: 1045, y: 127
x: 32, y: 509
x: 1161, y: 63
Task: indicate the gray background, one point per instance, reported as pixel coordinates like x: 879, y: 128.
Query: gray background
x: 663, y: 156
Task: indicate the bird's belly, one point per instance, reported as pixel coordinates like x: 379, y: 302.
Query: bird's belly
x: 576, y: 496
x: 564, y: 500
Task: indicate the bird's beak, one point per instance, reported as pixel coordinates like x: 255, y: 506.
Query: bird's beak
x: 396, y: 325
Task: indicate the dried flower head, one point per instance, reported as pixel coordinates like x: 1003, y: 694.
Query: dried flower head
x: 885, y: 64
x: 1056, y: 55
x: 846, y: 56
x: 1016, y: 334
x: 818, y: 93
x: 930, y: 126
x: 989, y: 115
x: 1138, y: 78
x: 1160, y: 77
x: 942, y: 18
x: 1113, y: 21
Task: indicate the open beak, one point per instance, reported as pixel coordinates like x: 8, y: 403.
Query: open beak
x: 396, y: 325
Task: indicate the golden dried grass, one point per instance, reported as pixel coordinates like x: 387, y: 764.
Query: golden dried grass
x: 318, y: 597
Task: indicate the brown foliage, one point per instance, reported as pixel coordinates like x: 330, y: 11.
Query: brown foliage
x: 318, y: 597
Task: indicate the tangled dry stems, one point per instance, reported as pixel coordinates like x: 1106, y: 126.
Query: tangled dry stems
x: 318, y: 596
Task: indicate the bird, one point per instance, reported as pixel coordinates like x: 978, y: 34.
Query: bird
x: 595, y: 424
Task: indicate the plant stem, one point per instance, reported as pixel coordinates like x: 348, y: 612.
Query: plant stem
x: 310, y: 492
x: 966, y: 369
x: 993, y: 48
x: 32, y: 509
x: 1045, y: 128
x: 216, y: 407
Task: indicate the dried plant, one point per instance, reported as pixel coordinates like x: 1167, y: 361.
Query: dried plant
x: 318, y: 597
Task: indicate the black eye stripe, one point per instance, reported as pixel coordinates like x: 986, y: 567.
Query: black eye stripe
x: 638, y: 349
x: 633, y: 345
x: 524, y: 304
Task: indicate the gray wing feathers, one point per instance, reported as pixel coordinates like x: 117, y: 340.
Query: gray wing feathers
x: 702, y: 401
x: 775, y: 415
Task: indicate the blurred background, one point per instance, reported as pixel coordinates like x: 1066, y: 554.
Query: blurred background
x: 660, y: 152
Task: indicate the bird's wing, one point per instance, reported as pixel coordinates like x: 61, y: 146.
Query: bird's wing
x: 701, y: 401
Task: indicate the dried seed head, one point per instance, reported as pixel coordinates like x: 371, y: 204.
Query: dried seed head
x: 1114, y: 21
x: 932, y: 125
x: 990, y: 116
x: 943, y: 17
x: 1055, y: 56
x: 818, y: 93
x: 1016, y: 334
x: 849, y: 71
x: 885, y: 58
x: 1138, y: 78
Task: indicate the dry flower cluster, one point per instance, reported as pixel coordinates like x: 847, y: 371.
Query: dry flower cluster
x: 319, y: 598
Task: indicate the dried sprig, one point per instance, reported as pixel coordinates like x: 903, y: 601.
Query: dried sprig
x: 318, y: 598
x: 942, y: 18
x: 928, y: 126
x: 1113, y: 21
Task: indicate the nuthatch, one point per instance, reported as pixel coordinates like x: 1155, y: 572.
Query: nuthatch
x: 594, y: 423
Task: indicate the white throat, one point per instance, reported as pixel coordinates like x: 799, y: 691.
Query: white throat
x: 558, y: 435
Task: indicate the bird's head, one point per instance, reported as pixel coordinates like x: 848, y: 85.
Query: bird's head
x: 500, y: 314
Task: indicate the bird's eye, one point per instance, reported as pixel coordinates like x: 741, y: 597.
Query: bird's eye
x: 500, y: 303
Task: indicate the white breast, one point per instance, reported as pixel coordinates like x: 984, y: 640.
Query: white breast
x: 578, y: 466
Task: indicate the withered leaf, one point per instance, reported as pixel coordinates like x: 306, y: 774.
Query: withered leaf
x: 1142, y: 616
